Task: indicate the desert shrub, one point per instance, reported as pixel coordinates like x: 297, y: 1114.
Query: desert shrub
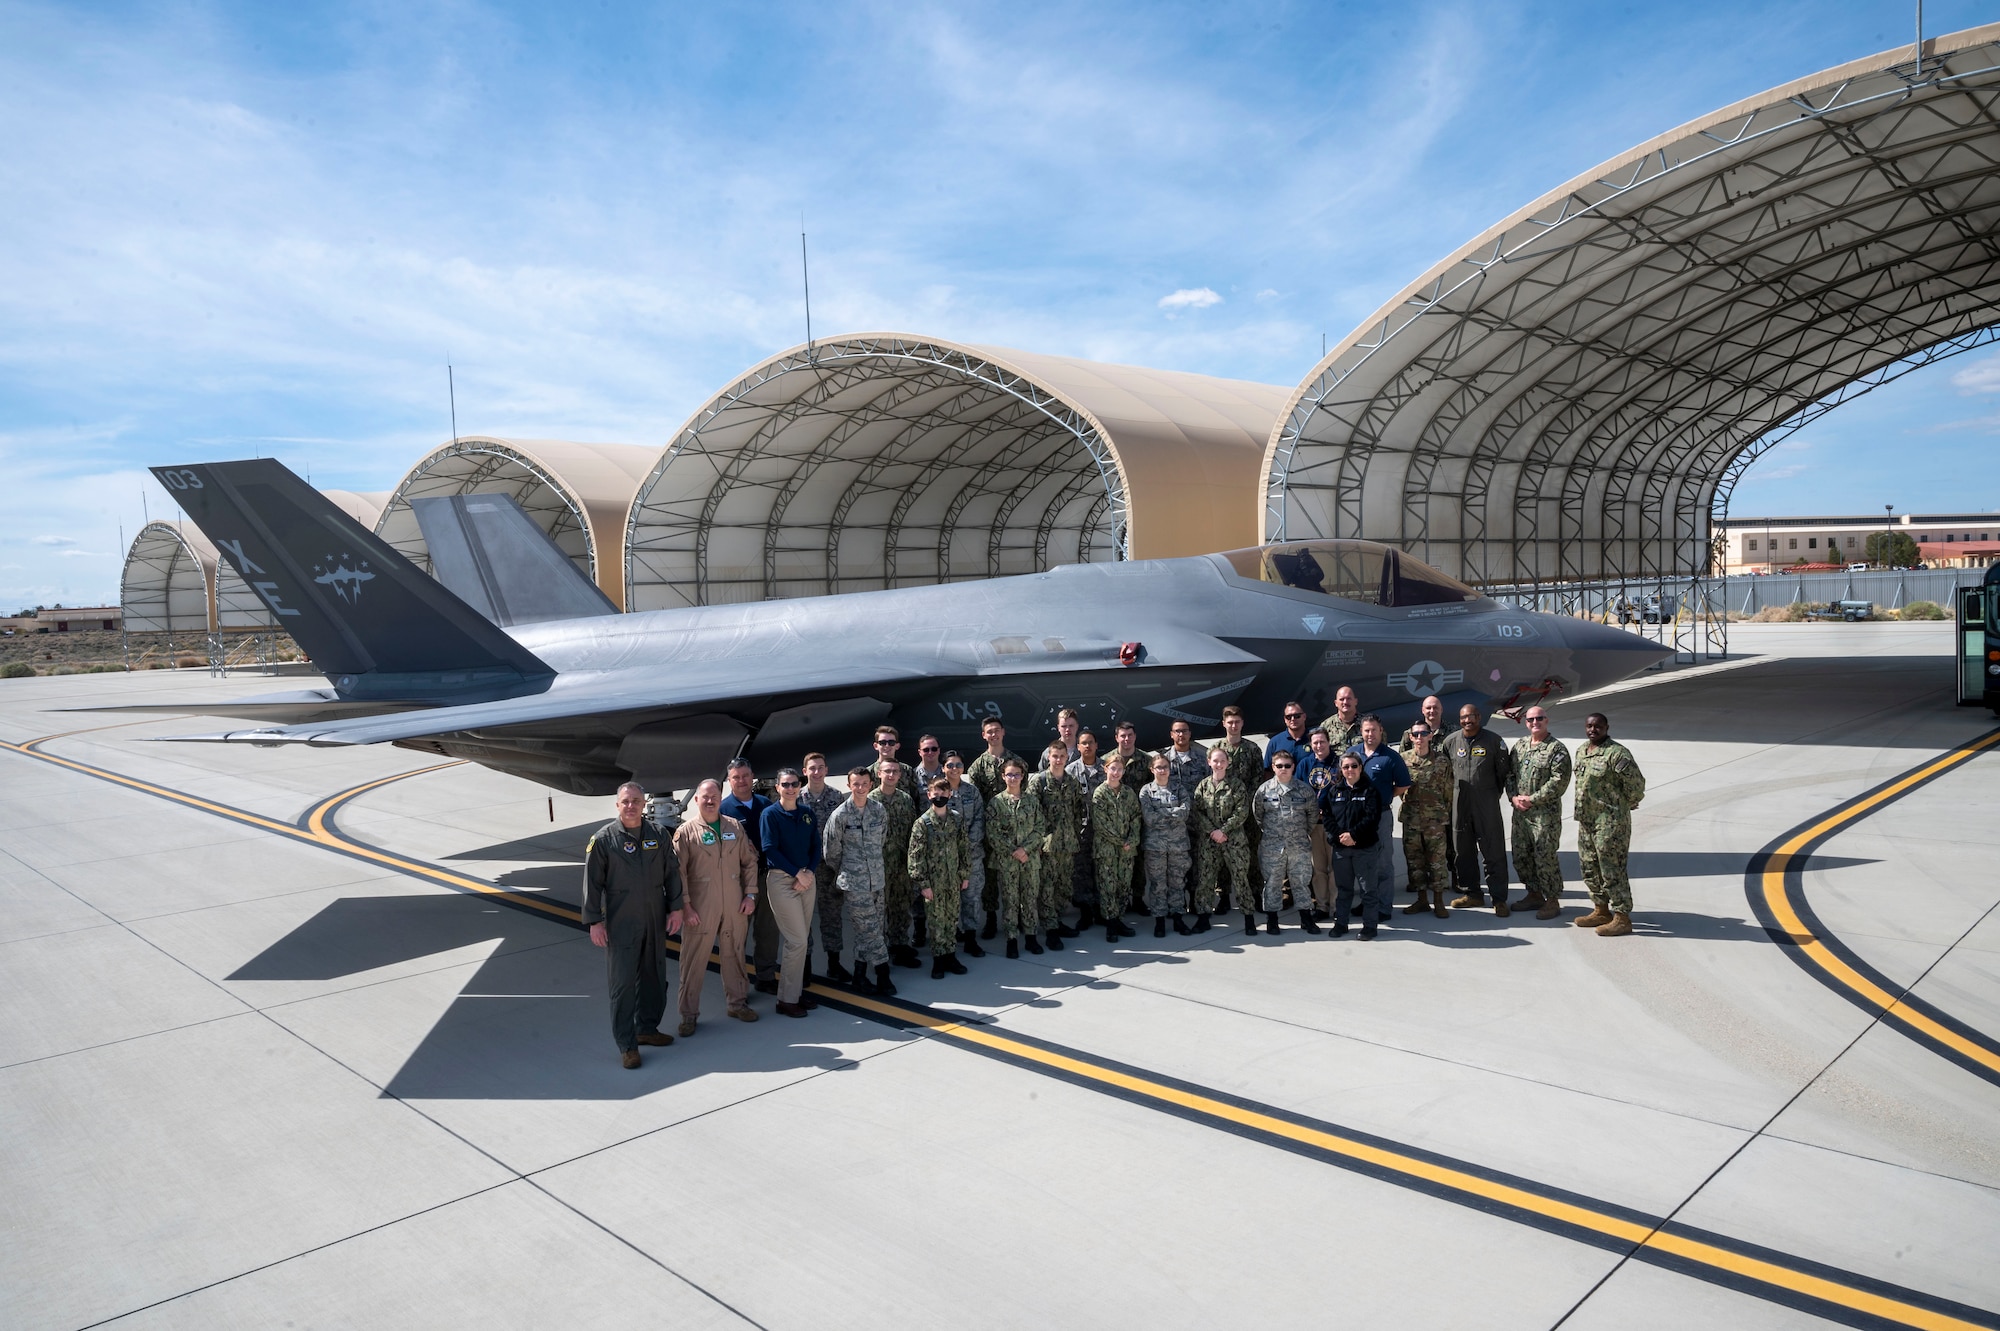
x: 1780, y: 614
x: 66, y: 670
x: 102, y: 669
x: 1923, y: 610
x: 190, y: 663
x: 159, y: 665
x: 17, y: 670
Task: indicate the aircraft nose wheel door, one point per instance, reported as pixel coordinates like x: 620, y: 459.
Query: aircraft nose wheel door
x: 1972, y: 646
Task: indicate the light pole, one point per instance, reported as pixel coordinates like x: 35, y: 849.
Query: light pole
x: 1888, y: 535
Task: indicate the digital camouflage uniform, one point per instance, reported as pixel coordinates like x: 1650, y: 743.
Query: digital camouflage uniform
x: 827, y: 894
x: 1284, y: 813
x: 1187, y: 770
x: 1427, y: 822
x: 1083, y: 879
x: 939, y: 858
x: 896, y: 895
x: 1221, y: 806
x: 1138, y: 773
x: 1344, y: 734
x: 1541, y: 772
x: 970, y: 806
x: 1062, y: 812
x: 853, y: 855
x: 984, y: 774
x: 1246, y: 769
x: 1115, y: 823
x: 1164, y: 814
x: 1609, y: 786
x: 1014, y: 822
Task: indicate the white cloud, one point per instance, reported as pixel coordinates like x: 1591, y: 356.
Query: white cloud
x: 1190, y: 298
x: 1982, y: 376
x: 54, y: 540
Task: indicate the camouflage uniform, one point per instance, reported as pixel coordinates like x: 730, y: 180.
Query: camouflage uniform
x: 1083, y: 879
x: 905, y: 781
x: 984, y: 774
x: 1138, y: 767
x: 1427, y: 822
x: 1221, y: 806
x: 1062, y: 810
x: 1246, y: 769
x: 896, y: 895
x: 1285, y: 812
x: 1609, y: 786
x: 1344, y: 734
x: 1187, y: 770
x: 1014, y: 822
x: 1541, y: 772
x: 827, y: 895
x: 1114, y: 820
x: 970, y: 807
x: 939, y: 858
x: 854, y: 856
x: 1164, y: 813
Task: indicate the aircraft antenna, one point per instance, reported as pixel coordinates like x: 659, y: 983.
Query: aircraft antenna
x: 451, y: 387
x: 805, y: 277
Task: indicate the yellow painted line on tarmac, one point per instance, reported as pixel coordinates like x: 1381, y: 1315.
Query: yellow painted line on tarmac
x: 1751, y: 1273
x: 1740, y: 1266
x: 1784, y: 909
x: 317, y: 830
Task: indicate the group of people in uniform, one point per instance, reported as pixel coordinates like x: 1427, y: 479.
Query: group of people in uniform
x: 952, y: 851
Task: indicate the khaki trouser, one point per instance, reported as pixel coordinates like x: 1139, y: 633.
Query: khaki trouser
x: 724, y: 927
x: 792, y: 912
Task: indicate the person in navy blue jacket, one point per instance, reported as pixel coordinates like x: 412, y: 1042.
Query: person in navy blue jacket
x: 1351, y: 811
x: 790, y: 836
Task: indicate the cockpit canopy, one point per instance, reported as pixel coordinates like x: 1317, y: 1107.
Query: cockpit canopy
x: 1352, y: 570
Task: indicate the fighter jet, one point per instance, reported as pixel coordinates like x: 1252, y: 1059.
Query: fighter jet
x: 510, y: 658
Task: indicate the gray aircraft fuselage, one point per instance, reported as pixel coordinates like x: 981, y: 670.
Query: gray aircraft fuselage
x: 1017, y: 649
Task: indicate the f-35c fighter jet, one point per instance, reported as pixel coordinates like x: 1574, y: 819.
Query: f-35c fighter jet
x: 526, y: 668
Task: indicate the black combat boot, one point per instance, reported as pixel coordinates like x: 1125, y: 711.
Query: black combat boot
x: 904, y: 955
x: 860, y: 982
x: 1200, y: 924
x: 1249, y: 923
x: 1124, y: 930
x: 838, y: 973
x: 953, y: 964
x: 1111, y: 931
x: 971, y: 941
x: 1160, y: 926
x: 1306, y: 921
x: 1032, y: 943
x: 1056, y: 935
x: 1086, y: 916
x: 1181, y: 925
x: 992, y: 924
x: 1270, y: 921
x: 1065, y: 930
x: 937, y: 968
x: 883, y: 985
x: 1013, y: 950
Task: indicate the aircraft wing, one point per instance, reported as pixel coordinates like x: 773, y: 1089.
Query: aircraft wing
x: 583, y: 697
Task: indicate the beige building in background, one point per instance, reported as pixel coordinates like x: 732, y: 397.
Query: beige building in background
x: 1768, y: 545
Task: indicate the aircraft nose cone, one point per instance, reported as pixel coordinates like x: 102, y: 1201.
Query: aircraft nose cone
x: 1600, y: 654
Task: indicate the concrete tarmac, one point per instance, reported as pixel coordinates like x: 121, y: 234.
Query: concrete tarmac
x: 257, y: 1070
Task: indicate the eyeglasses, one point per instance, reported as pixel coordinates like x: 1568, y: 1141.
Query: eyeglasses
x: 1538, y: 720
x: 1420, y: 732
x: 884, y: 743
x: 927, y: 748
x: 1295, y: 716
x: 950, y: 763
x: 788, y: 785
x: 1281, y: 767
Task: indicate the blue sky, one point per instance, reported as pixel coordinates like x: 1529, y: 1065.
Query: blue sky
x: 263, y: 229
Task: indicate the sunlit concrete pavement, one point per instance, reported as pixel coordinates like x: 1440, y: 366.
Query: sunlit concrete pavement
x: 248, y: 1081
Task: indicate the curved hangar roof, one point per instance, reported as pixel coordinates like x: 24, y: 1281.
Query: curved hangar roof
x: 579, y: 493
x: 174, y: 582
x: 887, y: 460
x: 1561, y: 398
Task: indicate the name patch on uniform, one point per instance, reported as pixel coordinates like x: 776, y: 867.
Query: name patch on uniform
x: 652, y: 845
x: 1479, y: 751
x: 729, y: 836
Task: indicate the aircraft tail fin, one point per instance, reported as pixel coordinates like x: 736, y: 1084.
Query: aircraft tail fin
x: 373, y: 621
x: 494, y: 557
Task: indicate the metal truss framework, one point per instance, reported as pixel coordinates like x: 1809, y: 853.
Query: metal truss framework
x: 488, y: 466
x: 1571, y: 398
x: 871, y: 462
x: 173, y: 583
